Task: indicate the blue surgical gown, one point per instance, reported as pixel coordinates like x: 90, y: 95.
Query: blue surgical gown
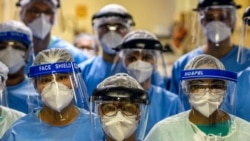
x: 242, y: 103
x: 23, y: 97
x: 163, y: 104
x: 229, y: 61
x: 31, y: 128
x: 96, y: 70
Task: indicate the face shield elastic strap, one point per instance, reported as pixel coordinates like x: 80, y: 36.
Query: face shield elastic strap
x: 208, y: 73
x: 61, y: 67
x: 141, y: 44
x: 20, y: 37
x: 121, y: 94
x: 22, y: 3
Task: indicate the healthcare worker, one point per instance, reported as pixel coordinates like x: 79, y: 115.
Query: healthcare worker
x: 111, y: 23
x: 243, y: 93
x: 87, y: 43
x: 7, y: 115
x: 122, y: 107
x: 218, y: 19
x: 206, y: 83
x: 15, y: 49
x: 40, y: 16
x: 56, y: 78
x: 140, y: 52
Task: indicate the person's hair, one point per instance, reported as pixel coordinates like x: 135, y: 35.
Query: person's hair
x: 53, y: 55
x: 210, y: 61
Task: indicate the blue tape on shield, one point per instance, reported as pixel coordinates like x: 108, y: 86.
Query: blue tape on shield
x: 208, y: 73
x: 61, y: 67
x: 15, y: 36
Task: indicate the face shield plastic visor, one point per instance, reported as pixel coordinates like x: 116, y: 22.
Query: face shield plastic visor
x: 214, y: 87
x: 59, y: 85
x: 218, y: 22
x: 142, y: 58
x: 3, y: 91
x: 122, y: 111
x: 110, y: 28
x: 243, y: 55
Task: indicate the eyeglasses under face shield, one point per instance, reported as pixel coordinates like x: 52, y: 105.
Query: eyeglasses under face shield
x: 216, y: 87
x: 110, y: 109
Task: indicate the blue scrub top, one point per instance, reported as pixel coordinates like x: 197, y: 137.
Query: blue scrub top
x: 23, y: 97
x: 31, y: 128
x: 242, y: 103
x: 95, y: 70
x: 228, y: 60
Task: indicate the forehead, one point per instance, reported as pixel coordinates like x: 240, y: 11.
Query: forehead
x: 217, y: 11
x: 137, y: 52
x: 206, y: 81
x: 41, y: 5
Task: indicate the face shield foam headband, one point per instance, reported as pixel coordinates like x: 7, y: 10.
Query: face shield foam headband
x: 105, y: 20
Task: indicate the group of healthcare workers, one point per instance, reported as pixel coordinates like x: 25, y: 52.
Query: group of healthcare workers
x: 52, y: 90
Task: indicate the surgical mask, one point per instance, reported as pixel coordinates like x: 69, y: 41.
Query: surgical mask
x: 206, y: 104
x: 119, y: 127
x: 56, y: 96
x: 41, y: 26
x: 13, y: 58
x: 88, y: 53
x: 110, y: 40
x: 217, y: 31
x: 140, y: 70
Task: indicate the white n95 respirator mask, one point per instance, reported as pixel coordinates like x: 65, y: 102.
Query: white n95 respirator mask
x: 57, y: 96
x: 217, y: 31
x: 110, y: 40
x: 41, y: 26
x: 119, y: 127
x: 140, y: 70
x: 14, y: 59
x: 206, y: 104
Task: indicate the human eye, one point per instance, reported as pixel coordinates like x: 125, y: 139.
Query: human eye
x: 131, y: 58
x: 62, y: 77
x: 108, y: 109
x: 130, y: 109
x: 45, y: 80
x: 147, y: 57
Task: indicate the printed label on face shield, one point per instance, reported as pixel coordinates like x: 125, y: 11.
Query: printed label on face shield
x: 191, y: 73
x: 62, y: 67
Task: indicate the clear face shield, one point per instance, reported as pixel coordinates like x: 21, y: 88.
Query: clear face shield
x: 211, y: 94
x: 60, y: 87
x: 243, y: 56
x: 218, y: 22
x: 143, y: 58
x: 110, y: 32
x: 3, y: 92
x: 122, y: 112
